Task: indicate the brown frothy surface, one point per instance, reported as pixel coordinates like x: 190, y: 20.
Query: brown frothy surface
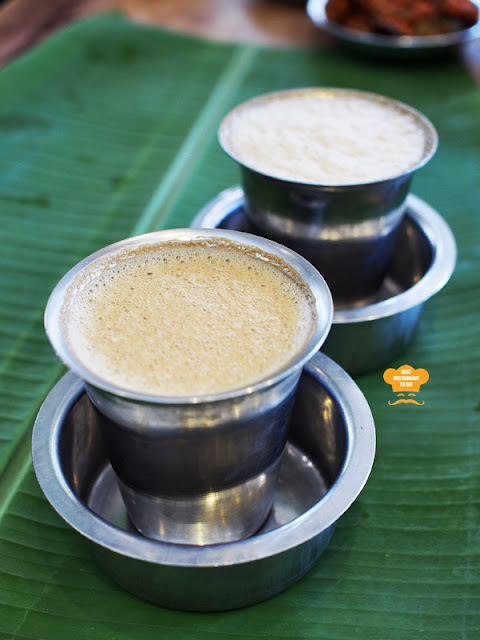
x: 184, y: 319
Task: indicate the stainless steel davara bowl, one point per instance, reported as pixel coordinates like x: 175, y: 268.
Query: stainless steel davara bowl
x: 371, y: 331
x: 327, y: 461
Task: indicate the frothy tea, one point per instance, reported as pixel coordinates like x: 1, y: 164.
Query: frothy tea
x: 324, y: 136
x: 187, y: 318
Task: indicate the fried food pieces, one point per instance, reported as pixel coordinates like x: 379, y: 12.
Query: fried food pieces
x: 403, y: 17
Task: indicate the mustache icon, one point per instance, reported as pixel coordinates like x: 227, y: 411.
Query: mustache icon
x: 406, y: 401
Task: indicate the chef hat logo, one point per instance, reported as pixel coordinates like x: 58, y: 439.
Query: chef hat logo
x: 406, y: 378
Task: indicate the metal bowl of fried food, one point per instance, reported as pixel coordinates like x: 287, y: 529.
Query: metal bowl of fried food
x: 403, y: 30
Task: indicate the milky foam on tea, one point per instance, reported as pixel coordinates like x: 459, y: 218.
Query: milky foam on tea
x: 323, y: 137
x: 183, y: 319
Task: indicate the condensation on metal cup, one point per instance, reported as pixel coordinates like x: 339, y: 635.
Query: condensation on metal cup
x: 200, y: 469
x: 347, y: 231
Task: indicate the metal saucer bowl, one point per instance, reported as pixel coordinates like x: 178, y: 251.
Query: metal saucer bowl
x: 326, y: 463
x: 369, y: 332
x: 402, y: 48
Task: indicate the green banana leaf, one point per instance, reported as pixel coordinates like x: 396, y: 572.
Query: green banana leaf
x: 109, y: 129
